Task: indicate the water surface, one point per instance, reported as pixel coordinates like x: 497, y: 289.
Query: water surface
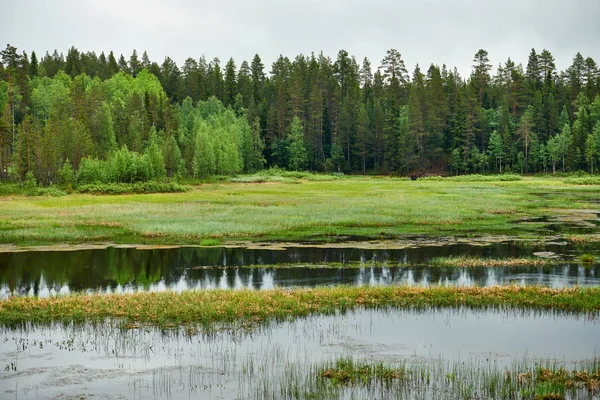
x: 146, y: 363
x: 119, y: 270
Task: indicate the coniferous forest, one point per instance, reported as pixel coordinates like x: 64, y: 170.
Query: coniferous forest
x: 97, y: 118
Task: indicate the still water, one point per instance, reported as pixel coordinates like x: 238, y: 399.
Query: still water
x: 121, y: 270
x: 107, y: 362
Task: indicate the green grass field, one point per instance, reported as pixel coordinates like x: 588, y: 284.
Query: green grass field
x: 301, y: 210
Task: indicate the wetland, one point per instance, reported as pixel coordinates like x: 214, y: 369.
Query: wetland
x: 356, y: 288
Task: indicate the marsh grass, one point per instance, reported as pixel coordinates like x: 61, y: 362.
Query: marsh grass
x: 472, y: 262
x: 588, y: 180
x: 311, y: 210
x: 250, y: 308
x: 476, y: 178
x: 525, y: 379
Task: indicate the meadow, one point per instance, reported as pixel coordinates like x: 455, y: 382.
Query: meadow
x: 306, y: 208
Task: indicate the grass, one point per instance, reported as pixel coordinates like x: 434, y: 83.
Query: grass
x: 310, y: 210
x: 238, y: 308
x: 346, y: 371
x: 586, y: 258
x: 477, y: 178
x: 471, y: 262
x: 539, y: 380
x: 588, y: 180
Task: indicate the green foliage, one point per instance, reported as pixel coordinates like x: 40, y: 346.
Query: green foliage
x: 496, y: 150
x: 155, y: 157
x: 93, y: 170
x: 127, y: 188
x: 66, y: 175
x: 30, y: 183
x: 297, y: 152
x: 310, y: 113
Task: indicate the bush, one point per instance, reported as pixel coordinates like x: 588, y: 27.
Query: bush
x: 130, y: 188
x: 46, y: 191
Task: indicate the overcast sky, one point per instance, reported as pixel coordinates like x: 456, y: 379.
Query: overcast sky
x: 424, y: 31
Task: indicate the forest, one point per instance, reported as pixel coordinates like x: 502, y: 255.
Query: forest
x: 88, y: 118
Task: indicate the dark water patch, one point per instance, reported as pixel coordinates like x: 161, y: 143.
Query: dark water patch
x: 555, y: 276
x: 585, y: 223
x: 107, y: 362
x: 43, y: 273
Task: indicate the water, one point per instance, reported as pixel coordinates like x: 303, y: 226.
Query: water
x: 104, y: 361
x: 110, y: 270
x: 145, y: 363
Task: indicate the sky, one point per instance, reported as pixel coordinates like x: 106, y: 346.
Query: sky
x: 424, y: 32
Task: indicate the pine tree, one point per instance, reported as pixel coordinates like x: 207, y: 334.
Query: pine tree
x: 112, y: 66
x: 33, y: 66
x: 481, y: 72
x: 258, y: 77
x: 135, y: 66
x: 230, y: 85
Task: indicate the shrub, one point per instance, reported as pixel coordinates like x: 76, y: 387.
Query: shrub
x: 46, y: 191
x: 129, y: 188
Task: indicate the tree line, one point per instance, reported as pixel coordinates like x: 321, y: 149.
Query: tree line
x: 128, y: 120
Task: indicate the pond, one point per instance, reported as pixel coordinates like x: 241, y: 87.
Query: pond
x: 119, y: 270
x: 108, y: 362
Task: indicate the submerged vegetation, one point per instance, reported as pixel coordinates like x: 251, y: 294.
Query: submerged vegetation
x: 206, y: 308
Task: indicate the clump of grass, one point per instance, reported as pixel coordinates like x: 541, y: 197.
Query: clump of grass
x: 586, y: 258
x: 346, y: 371
x: 247, y: 307
x: 210, y: 242
x: 468, y: 261
x: 581, y: 239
